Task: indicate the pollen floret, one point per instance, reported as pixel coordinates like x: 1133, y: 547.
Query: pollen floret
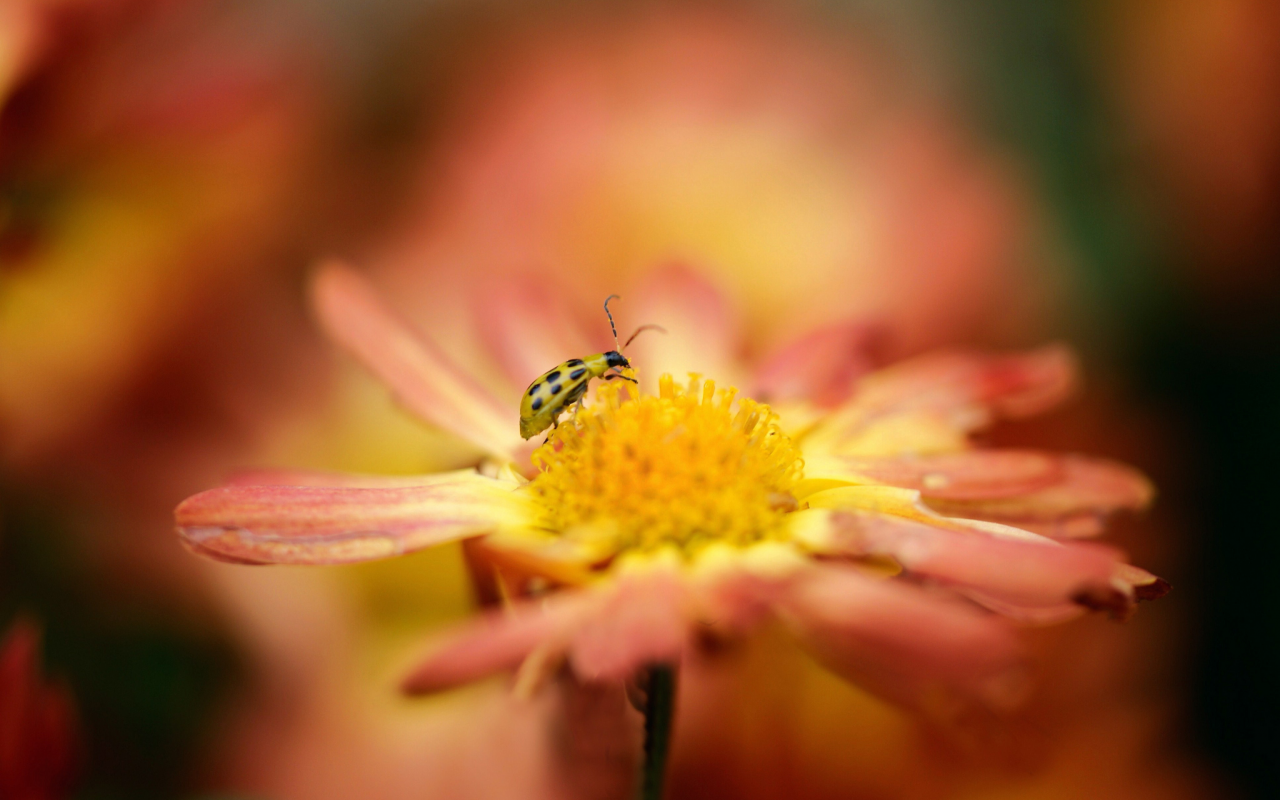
x: 691, y: 466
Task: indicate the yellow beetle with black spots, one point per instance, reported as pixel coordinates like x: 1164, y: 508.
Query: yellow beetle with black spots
x: 557, y: 389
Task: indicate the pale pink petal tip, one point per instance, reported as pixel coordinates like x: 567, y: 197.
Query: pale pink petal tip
x: 422, y: 377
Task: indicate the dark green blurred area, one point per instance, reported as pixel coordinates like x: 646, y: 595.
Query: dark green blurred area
x: 1208, y: 365
x: 147, y: 683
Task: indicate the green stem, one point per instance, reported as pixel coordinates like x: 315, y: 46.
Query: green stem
x: 659, y: 711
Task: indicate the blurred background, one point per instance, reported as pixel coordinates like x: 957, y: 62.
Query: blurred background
x: 989, y: 173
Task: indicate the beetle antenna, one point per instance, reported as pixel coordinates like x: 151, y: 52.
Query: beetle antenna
x: 609, y: 314
x: 641, y: 330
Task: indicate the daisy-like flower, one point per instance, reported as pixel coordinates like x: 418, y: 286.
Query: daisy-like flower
x: 853, y: 508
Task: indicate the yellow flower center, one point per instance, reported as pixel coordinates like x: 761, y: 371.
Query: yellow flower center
x: 691, y: 466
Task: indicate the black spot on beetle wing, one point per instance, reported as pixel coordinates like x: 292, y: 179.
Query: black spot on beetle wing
x: 534, y: 389
x: 574, y: 362
x: 577, y: 373
x: 553, y: 376
x: 555, y: 388
x: 537, y: 404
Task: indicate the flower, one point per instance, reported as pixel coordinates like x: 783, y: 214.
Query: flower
x: 869, y: 525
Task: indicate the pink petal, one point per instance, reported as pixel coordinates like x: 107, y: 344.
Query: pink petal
x: 1129, y: 586
x: 821, y: 366
x: 1014, y: 385
x: 529, y: 328
x: 1015, y: 572
x: 896, y: 639
x: 609, y: 631
x: 1077, y: 504
x: 966, y: 475
x: 1115, y: 592
x: 737, y: 602
x: 326, y: 524
x: 640, y: 620
x: 423, y: 378
x: 963, y: 391
x: 496, y: 642
x: 701, y: 334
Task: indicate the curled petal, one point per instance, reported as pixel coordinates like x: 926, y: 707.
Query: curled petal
x: 328, y: 524
x: 1087, y: 492
x: 1014, y: 572
x: 1142, y: 584
x: 946, y: 396
x: 899, y: 640
x: 529, y: 328
x: 701, y: 334
x: 1130, y: 586
x: 964, y: 475
x: 424, y: 379
x: 820, y: 367
x: 1114, y: 592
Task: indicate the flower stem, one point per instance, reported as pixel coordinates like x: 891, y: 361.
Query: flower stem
x: 659, y: 711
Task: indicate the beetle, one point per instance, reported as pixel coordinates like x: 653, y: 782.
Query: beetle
x: 558, y: 388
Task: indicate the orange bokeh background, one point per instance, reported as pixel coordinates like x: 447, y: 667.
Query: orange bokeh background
x: 172, y: 170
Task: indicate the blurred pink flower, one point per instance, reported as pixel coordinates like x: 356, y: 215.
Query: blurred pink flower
x: 134, y: 134
x: 871, y: 527
x: 751, y: 140
x: 39, y: 733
